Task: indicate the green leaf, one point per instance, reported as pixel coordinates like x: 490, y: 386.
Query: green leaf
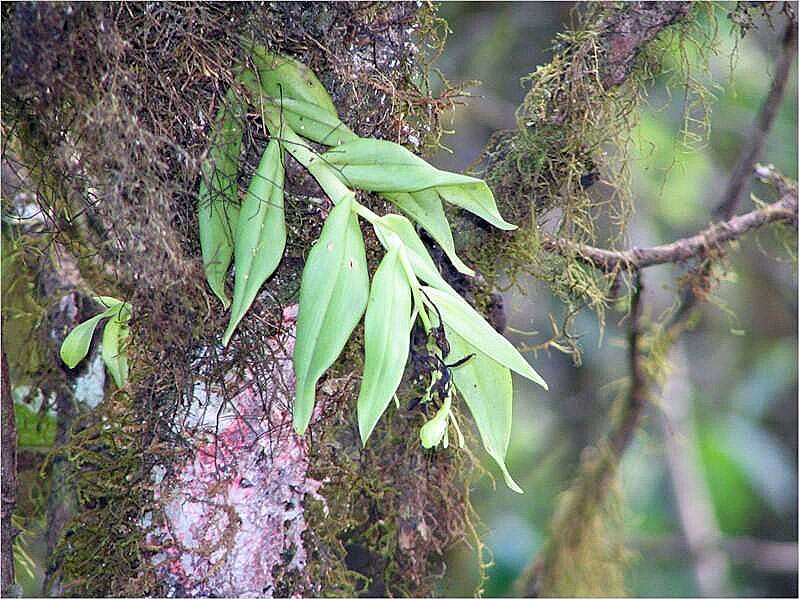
x: 477, y: 198
x: 109, y: 302
x: 386, y: 332
x: 285, y: 77
x: 425, y: 207
x: 76, y: 345
x: 260, y: 234
x: 418, y: 256
x: 485, y: 386
x: 469, y: 324
x: 333, y: 296
x: 383, y: 166
x: 315, y: 123
x: 114, y: 354
x: 218, y: 198
x: 432, y: 432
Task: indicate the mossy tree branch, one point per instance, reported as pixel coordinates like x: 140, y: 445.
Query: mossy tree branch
x: 757, y: 137
x: 624, y: 34
x: 636, y: 399
x: 762, y: 124
x: 581, y: 519
x: 575, y: 522
x: 573, y: 105
x: 621, y: 34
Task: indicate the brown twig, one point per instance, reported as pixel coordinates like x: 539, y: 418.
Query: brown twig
x: 636, y: 400
x: 785, y: 210
x: 761, y: 126
x: 758, y: 135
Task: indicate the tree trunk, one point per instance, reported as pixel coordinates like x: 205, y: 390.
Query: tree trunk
x: 9, y: 493
x: 190, y: 480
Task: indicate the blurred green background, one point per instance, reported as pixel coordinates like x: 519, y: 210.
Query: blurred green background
x: 726, y: 425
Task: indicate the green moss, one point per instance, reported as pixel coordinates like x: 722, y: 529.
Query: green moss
x: 34, y: 430
x: 572, y: 130
x: 585, y: 555
x: 393, y: 507
x: 100, y: 551
x: 22, y: 313
x: 129, y: 212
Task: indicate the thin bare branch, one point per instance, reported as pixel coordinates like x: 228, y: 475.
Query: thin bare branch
x: 783, y: 211
x: 764, y: 555
x: 761, y: 126
x: 621, y: 435
x: 695, y: 507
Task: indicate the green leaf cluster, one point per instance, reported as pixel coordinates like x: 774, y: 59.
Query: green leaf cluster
x: 335, y: 291
x: 75, y: 346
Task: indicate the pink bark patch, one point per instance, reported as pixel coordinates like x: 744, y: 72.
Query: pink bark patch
x: 234, y: 511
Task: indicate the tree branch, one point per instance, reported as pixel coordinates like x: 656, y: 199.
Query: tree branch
x: 765, y: 555
x: 575, y: 107
x: 627, y: 32
x: 758, y: 134
x: 636, y: 400
x: 761, y: 126
x: 783, y: 211
x: 695, y: 507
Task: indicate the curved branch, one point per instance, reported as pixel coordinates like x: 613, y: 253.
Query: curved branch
x: 783, y: 211
x: 761, y: 126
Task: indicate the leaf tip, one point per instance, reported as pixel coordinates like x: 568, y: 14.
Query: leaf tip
x: 303, y: 407
x: 512, y: 485
x: 461, y: 267
x: 66, y: 358
x: 219, y: 290
x: 468, y: 272
x: 364, y: 428
x: 540, y: 380
x: 300, y: 428
x: 364, y: 436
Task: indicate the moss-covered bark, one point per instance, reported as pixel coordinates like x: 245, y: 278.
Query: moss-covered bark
x: 106, y: 114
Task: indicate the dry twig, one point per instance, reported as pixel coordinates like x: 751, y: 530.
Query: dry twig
x: 783, y: 211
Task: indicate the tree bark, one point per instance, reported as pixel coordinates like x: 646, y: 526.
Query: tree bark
x: 113, y: 134
x: 9, y: 486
